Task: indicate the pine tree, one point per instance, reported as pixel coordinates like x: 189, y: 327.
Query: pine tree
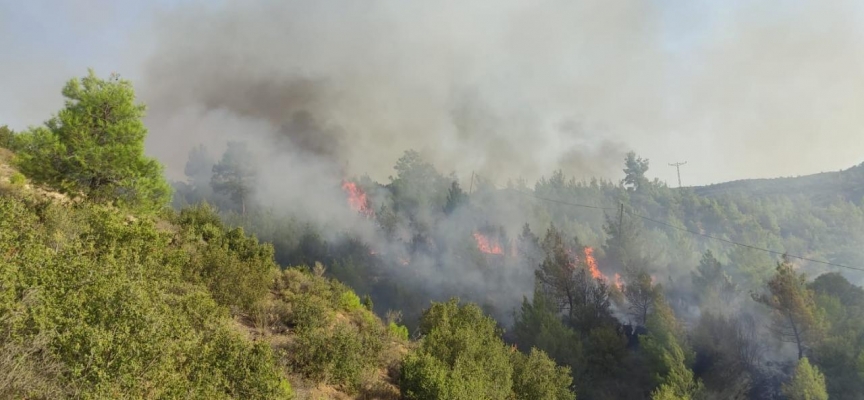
x: 807, y: 383
x: 796, y: 318
x: 635, y: 169
x: 641, y: 295
x: 95, y: 147
x: 455, y: 198
x: 712, y: 284
x: 235, y: 174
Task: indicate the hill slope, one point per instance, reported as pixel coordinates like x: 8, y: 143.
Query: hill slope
x: 821, y: 188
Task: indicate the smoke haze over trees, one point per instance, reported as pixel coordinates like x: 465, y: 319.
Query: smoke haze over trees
x: 483, y: 176
x: 525, y: 87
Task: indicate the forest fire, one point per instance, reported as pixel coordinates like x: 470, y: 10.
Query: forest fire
x: 357, y: 199
x: 592, y: 264
x: 618, y: 282
x: 487, y: 246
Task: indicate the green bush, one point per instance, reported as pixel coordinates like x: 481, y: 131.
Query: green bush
x: 349, y: 301
x: 107, y: 298
x: 342, y: 351
x: 398, y: 331
x: 343, y: 354
x: 17, y: 179
x: 308, y: 312
x: 7, y: 138
x: 236, y: 268
x: 462, y: 356
x: 537, y: 377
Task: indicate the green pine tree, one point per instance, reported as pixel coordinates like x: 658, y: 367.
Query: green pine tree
x: 807, y: 383
x: 95, y: 147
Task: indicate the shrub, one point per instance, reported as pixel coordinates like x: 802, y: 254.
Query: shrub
x: 236, y: 268
x: 398, y: 331
x: 17, y: 179
x: 460, y: 357
x: 342, y: 354
x: 7, y: 138
x: 536, y: 376
x: 349, y: 301
x: 104, y: 300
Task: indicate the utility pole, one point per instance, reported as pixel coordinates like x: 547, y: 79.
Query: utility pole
x: 621, y: 236
x: 677, y: 166
x: 621, y: 218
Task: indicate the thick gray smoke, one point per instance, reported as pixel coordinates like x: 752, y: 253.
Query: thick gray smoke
x: 503, y: 88
x: 511, y: 88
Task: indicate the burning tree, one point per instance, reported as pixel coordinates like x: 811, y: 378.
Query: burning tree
x: 357, y: 199
x: 570, y: 282
x: 487, y: 245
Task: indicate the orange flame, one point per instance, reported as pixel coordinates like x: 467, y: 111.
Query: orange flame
x: 487, y: 246
x: 619, y: 283
x: 357, y: 198
x: 592, y: 264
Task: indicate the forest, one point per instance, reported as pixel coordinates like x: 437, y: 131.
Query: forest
x: 116, y: 282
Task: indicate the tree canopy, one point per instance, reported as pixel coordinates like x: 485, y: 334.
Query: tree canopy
x: 94, y: 147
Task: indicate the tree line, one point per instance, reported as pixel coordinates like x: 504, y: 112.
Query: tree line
x: 688, y: 319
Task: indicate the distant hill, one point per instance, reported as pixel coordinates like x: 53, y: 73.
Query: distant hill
x: 821, y: 188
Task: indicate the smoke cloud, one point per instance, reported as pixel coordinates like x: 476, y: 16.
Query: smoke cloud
x: 771, y: 87
x: 517, y: 89
x: 505, y: 89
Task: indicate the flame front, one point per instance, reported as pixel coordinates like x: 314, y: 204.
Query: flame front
x: 592, y: 264
x: 619, y: 283
x: 487, y: 246
x: 357, y: 198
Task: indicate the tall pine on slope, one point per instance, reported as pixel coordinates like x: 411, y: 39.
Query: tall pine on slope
x: 796, y: 318
x: 95, y: 147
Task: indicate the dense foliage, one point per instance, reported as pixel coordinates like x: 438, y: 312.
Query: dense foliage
x: 652, y: 311
x: 461, y: 356
x: 95, y: 147
x: 105, y: 294
x: 106, y: 301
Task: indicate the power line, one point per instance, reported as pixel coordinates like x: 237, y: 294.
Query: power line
x: 732, y: 242
x: 564, y: 202
x: 743, y: 244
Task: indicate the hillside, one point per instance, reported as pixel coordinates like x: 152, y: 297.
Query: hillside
x: 243, y: 299
x: 821, y: 188
x: 105, y: 292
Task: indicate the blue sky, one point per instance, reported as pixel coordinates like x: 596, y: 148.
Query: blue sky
x: 44, y: 43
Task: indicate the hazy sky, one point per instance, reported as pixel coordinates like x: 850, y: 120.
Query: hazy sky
x: 735, y: 89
